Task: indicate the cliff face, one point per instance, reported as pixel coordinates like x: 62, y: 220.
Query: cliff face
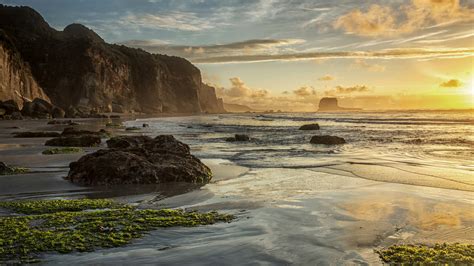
x: 209, y: 101
x: 16, y: 81
x: 75, y: 67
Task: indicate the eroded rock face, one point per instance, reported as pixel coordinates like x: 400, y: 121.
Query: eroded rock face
x: 140, y: 160
x: 309, y: 127
x: 17, y: 83
x: 327, y: 140
x: 81, y: 73
x: 209, y: 101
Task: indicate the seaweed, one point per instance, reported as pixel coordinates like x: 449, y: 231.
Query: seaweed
x: 84, y: 225
x: 432, y: 255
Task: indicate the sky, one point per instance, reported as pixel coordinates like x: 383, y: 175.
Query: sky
x: 288, y: 54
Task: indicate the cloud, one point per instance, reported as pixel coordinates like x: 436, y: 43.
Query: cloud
x: 406, y: 53
x: 184, y: 21
x: 247, y: 47
x: 304, y: 91
x: 326, y: 78
x: 238, y: 89
x: 346, y: 90
x: 381, y: 20
x: 452, y: 83
x: 362, y: 64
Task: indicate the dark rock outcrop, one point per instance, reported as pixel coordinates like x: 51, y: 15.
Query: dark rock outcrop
x: 82, y: 74
x: 327, y: 140
x: 330, y: 104
x: 75, y: 141
x: 140, y: 160
x: 71, y: 137
x: 309, y: 127
x: 238, y: 137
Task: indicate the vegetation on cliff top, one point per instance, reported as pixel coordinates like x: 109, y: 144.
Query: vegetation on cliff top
x: 66, y: 226
x: 439, y: 254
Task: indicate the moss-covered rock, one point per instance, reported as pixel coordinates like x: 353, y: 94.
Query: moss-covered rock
x: 12, y: 170
x: 65, y: 150
x: 72, y: 226
x: 439, y: 254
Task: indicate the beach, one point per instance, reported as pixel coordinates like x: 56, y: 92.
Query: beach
x: 402, y: 177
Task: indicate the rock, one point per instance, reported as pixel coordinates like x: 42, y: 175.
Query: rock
x: 10, y: 107
x: 309, y: 127
x: 114, y: 116
x: 58, y: 113
x: 123, y: 142
x: 28, y: 109
x: 145, y: 125
x: 16, y: 116
x: 132, y: 128
x: 70, y: 131
x: 328, y: 140
x: 330, y: 104
x: 71, y: 112
x: 117, y: 108
x: 60, y: 122
x: 140, y: 160
x: 2, y: 111
x: 40, y: 134
x: 238, y: 137
x: 5, y: 169
x: 75, y: 141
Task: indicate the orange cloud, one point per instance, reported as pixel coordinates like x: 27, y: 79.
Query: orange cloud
x: 304, y: 91
x: 453, y: 83
x: 326, y: 78
x: 385, y: 21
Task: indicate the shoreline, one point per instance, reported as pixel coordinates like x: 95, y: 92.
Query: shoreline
x: 291, y: 209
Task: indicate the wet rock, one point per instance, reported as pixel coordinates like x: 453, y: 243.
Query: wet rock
x: 140, y: 160
x: 145, y: 125
x: 75, y: 141
x: 309, y: 127
x: 60, y: 122
x: 40, y: 134
x: 238, y: 137
x: 5, y: 169
x: 327, y: 140
x: 132, y: 128
x: 123, y: 142
x: 9, y: 106
x: 58, y: 113
x: 70, y: 131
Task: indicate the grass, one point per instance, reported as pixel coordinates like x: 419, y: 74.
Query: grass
x: 16, y: 171
x: 439, y: 254
x: 84, y: 225
x: 65, y: 150
x: 116, y: 125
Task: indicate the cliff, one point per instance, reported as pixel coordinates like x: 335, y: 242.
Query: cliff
x: 330, y: 104
x: 76, y: 67
x: 209, y: 101
x: 16, y: 81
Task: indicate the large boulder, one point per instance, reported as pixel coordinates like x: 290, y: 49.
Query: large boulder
x: 75, y: 141
x: 327, y: 140
x: 9, y: 107
x: 140, y: 160
x: 309, y: 127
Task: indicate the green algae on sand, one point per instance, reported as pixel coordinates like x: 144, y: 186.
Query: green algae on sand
x: 65, y: 150
x: 438, y: 254
x: 66, y: 226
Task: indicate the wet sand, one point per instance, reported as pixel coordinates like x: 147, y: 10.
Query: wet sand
x: 320, y: 215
